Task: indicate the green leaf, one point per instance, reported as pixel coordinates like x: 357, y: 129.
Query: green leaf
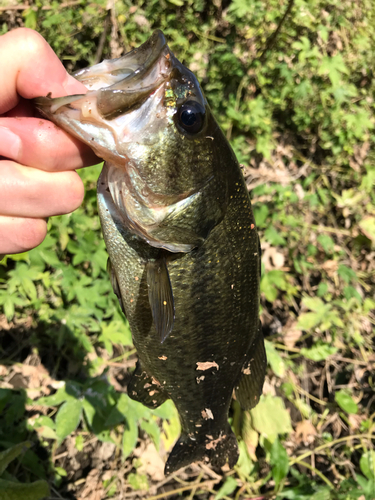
x: 270, y: 418
x: 271, y: 282
x: 346, y: 273
x: 228, y: 488
x: 279, y: 461
x: 138, y: 481
x: 260, y: 214
x: 60, y: 471
x: 367, y: 464
x: 273, y: 236
x: 166, y: 410
x: 346, y: 402
x: 318, y: 352
x: 79, y: 442
x: 314, y: 304
x: 129, y: 437
x: 368, y: 227
x: 350, y: 292
x: 333, y: 67
x: 10, y: 490
x: 326, y: 242
x: 274, y: 359
x: 68, y: 418
x: 245, y: 465
x: 309, y: 320
x: 89, y: 411
x: 8, y: 455
x: 69, y: 391
x: 172, y: 429
x: 31, y: 18
x: 116, y: 332
x: 152, y: 429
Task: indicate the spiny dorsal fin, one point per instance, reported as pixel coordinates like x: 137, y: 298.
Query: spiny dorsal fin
x: 160, y: 297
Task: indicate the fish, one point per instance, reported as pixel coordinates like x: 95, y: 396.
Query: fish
x: 184, y: 252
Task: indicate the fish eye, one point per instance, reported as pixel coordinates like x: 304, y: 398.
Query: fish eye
x: 190, y: 117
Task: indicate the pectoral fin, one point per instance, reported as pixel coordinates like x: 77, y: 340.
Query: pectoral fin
x: 160, y: 297
x: 114, y: 283
x: 250, y: 385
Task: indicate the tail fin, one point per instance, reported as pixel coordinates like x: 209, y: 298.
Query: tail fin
x: 216, y: 450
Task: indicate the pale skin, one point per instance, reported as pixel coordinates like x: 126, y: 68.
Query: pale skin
x: 37, y: 159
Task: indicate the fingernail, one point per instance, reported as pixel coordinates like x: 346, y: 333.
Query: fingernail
x: 10, y: 144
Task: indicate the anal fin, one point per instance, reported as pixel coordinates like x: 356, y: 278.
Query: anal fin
x: 160, y: 297
x: 145, y: 389
x: 250, y: 385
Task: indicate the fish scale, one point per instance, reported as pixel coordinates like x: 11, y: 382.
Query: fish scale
x: 180, y: 233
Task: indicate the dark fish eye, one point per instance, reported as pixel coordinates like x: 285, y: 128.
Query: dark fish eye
x: 190, y: 117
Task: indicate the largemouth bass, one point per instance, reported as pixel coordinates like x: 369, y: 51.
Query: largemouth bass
x: 184, y: 256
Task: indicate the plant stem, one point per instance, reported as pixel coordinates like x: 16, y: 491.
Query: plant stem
x: 329, y: 445
x: 318, y: 473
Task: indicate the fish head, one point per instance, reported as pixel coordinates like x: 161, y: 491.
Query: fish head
x: 146, y: 115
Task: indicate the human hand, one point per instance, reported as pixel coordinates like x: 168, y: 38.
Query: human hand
x: 37, y: 159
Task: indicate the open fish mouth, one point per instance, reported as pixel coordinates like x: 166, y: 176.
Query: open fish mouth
x: 134, y: 67
x: 102, y: 118
x: 128, y: 80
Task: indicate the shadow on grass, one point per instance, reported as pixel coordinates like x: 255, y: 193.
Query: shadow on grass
x: 59, y: 355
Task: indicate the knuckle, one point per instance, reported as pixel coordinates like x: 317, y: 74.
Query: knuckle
x: 32, y: 41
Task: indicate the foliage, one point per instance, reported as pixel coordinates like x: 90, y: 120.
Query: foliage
x: 300, y: 119
x: 10, y: 488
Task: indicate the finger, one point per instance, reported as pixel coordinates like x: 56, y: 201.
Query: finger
x: 40, y: 144
x: 29, y: 192
x: 20, y: 234
x: 35, y: 71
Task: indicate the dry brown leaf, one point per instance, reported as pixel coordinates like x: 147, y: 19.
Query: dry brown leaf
x: 250, y: 436
x: 291, y: 334
x: 354, y: 421
x: 142, y: 21
x: 93, y: 489
x: 269, y: 388
x: 3, y: 371
x: 103, y: 453
x: 152, y: 464
x: 330, y: 267
x: 272, y: 258
x: 305, y: 432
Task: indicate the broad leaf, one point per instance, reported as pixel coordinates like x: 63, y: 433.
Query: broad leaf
x: 68, y: 418
x: 279, y: 462
x: 270, y: 418
x: 346, y: 402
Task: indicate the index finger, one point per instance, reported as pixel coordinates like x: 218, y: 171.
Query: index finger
x: 34, y: 72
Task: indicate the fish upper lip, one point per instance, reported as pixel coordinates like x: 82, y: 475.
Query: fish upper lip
x: 131, y: 79
x: 133, y: 64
